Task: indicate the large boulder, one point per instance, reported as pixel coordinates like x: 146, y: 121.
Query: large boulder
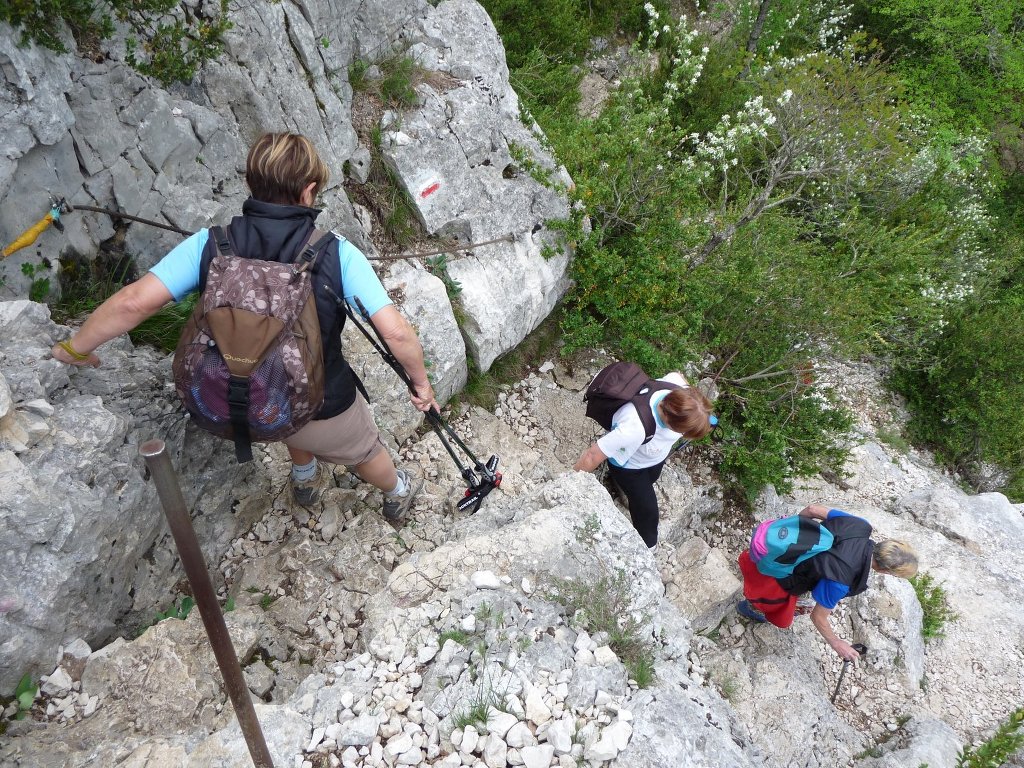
x: 473, y: 171
x: 86, y: 548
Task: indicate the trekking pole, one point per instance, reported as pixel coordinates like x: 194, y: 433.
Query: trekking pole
x: 490, y: 478
x: 159, y: 463
x: 432, y: 415
x: 859, y: 648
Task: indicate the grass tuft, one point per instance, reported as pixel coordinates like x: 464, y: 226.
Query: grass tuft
x: 934, y: 604
x: 604, y: 606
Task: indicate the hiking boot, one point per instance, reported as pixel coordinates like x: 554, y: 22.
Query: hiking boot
x: 747, y: 611
x: 395, y: 507
x: 306, y: 493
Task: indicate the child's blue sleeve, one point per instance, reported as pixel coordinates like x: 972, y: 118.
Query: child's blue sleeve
x: 179, y: 269
x: 359, y: 279
x: 828, y: 593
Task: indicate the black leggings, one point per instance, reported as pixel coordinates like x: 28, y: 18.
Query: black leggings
x: 638, y: 485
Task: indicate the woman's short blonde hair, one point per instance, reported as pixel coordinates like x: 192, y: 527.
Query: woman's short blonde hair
x: 688, y: 412
x: 281, y: 165
x: 895, y: 558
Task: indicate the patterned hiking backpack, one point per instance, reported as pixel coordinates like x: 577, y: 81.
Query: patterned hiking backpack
x: 249, y: 364
x: 777, y: 547
x: 618, y: 384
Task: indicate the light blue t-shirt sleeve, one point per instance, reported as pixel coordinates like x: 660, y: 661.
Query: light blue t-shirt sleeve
x: 359, y: 279
x: 179, y: 272
x: 828, y: 593
x: 179, y: 269
x: 838, y: 513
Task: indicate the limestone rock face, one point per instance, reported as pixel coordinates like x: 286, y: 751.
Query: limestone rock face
x: 99, y: 134
x: 465, y: 160
x: 86, y: 548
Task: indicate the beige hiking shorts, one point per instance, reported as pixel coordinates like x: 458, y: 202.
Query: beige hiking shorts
x: 350, y: 438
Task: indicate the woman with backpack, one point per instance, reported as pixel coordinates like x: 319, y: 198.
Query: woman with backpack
x: 635, y: 460
x: 285, y: 175
x: 831, y: 575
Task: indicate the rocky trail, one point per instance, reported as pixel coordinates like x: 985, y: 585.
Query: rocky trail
x: 464, y: 640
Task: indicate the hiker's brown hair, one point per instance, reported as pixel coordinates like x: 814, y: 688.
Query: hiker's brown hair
x: 688, y: 412
x: 895, y: 558
x: 281, y: 165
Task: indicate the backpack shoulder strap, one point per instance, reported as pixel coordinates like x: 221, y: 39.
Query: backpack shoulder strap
x: 316, y: 244
x: 220, y: 237
x: 642, y: 403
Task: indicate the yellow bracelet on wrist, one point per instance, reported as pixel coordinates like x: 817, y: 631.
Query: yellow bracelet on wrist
x: 66, y: 346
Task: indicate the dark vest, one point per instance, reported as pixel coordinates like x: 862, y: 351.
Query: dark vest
x: 847, y: 562
x: 278, y: 233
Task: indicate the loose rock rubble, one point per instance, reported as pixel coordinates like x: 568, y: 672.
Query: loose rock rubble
x: 447, y: 644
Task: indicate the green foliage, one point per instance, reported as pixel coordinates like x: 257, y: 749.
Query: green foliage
x: 1007, y: 740
x: 357, y: 75
x: 586, y: 532
x: 25, y: 695
x: 398, y: 85
x: 85, y: 284
x: 39, y: 288
x: 550, y: 87
x: 484, y: 612
x: 438, y: 266
x: 894, y: 439
x: 965, y: 398
x: 179, y: 610
x: 457, y: 635
x: 173, y: 51
x: 474, y: 714
x: 934, y: 605
x: 604, y: 606
x: 169, y: 41
x: 729, y: 687
x: 559, y: 28
x: 267, y: 600
x: 163, y: 329
x: 963, y: 61
x: 521, y: 155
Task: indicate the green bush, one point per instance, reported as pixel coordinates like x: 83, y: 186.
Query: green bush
x: 963, y: 62
x: 560, y: 29
x: 169, y: 40
x: 937, y: 612
x: 1007, y: 741
x: 965, y: 401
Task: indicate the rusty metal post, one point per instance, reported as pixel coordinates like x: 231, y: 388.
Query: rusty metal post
x: 160, y: 467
